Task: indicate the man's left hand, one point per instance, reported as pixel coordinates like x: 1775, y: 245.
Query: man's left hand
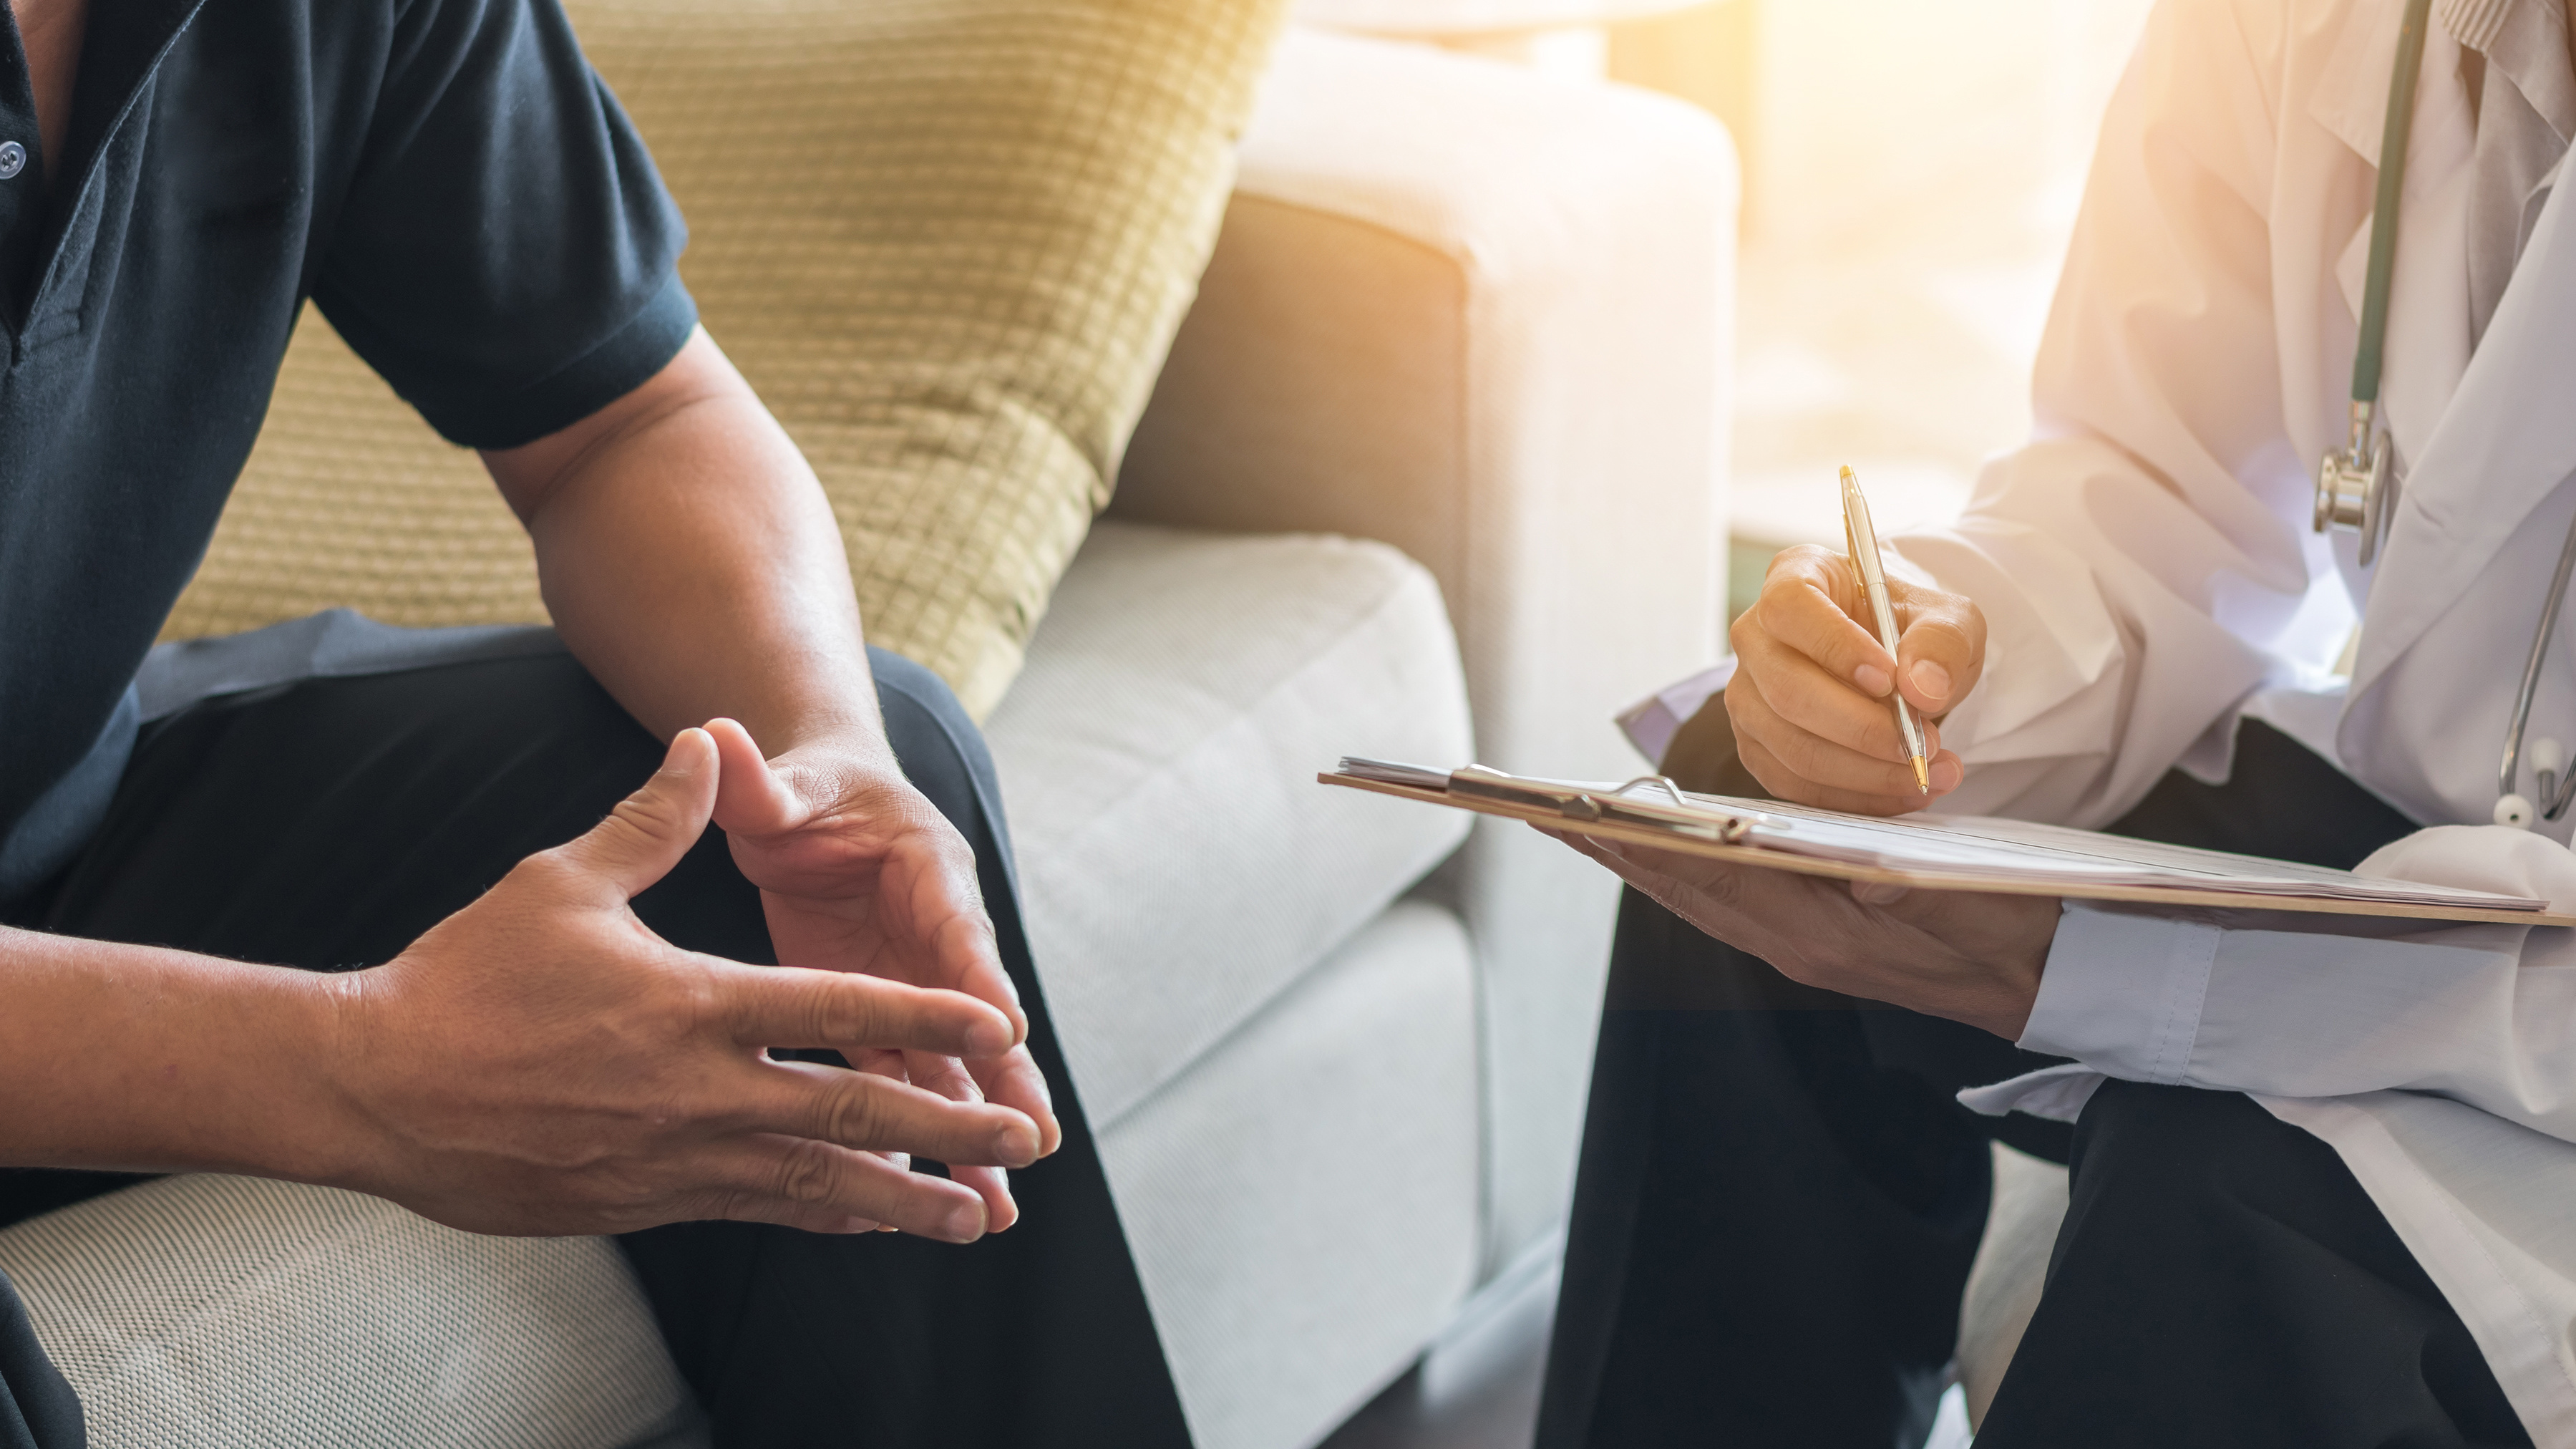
x: 1971, y: 958
x: 859, y: 872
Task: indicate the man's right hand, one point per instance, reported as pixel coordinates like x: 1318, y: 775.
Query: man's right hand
x: 1809, y: 699
x: 540, y: 1062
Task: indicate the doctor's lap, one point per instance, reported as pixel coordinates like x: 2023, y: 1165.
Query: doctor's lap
x: 1780, y: 1194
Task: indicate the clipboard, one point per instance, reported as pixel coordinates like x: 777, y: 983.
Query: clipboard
x: 1930, y: 852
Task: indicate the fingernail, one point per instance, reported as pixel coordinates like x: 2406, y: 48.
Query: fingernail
x: 1016, y: 1145
x: 1947, y: 774
x: 988, y: 1039
x: 1871, y: 679
x: 1930, y: 679
x: 966, y: 1223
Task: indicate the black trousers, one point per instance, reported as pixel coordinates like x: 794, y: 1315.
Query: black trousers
x: 325, y: 824
x: 1779, y: 1199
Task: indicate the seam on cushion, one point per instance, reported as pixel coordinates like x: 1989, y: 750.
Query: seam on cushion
x: 2193, y: 958
x: 1289, y: 684
x: 1286, y: 686
x: 1252, y: 1020
x: 1461, y: 258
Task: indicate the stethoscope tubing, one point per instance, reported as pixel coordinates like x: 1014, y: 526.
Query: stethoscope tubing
x: 2396, y: 134
x: 2530, y: 690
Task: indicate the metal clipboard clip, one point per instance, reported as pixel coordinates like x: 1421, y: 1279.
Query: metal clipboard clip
x: 1683, y: 816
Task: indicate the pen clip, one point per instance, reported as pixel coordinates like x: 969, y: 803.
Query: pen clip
x: 1860, y: 535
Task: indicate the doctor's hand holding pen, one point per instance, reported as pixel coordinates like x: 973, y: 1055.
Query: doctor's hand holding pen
x: 1809, y: 701
x: 1813, y: 720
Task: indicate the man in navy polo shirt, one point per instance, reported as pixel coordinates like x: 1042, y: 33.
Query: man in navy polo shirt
x: 485, y: 1030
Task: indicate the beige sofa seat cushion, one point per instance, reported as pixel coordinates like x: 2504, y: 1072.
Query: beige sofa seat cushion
x: 1304, y: 1203
x: 240, y: 1312
x: 947, y: 240
x: 1179, y: 866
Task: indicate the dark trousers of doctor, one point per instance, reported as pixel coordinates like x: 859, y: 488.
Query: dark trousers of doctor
x: 1779, y: 1199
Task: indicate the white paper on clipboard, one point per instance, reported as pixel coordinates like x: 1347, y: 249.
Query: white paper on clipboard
x: 2015, y: 853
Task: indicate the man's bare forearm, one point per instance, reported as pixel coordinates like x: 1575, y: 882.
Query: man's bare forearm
x: 691, y: 561
x: 137, y: 1058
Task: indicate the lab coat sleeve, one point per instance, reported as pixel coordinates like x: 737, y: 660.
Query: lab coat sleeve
x: 2138, y: 559
x: 2315, y: 1006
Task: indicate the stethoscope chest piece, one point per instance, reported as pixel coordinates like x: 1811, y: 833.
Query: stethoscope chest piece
x: 2356, y: 488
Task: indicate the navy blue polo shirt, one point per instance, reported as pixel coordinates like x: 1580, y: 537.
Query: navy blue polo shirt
x: 447, y: 179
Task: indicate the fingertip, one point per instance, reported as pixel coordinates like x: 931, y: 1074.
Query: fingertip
x: 1050, y: 1131
x: 1949, y: 772
x: 1931, y: 683
x: 752, y: 799
x: 965, y: 1222
x: 1016, y: 1142
x: 989, y: 1035
x: 692, y: 751
x: 734, y: 741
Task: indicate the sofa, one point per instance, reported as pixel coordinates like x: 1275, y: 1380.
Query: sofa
x: 1435, y: 470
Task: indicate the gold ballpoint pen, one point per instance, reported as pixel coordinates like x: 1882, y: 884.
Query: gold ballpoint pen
x: 1860, y: 537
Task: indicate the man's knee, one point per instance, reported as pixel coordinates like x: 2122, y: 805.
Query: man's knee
x: 936, y: 741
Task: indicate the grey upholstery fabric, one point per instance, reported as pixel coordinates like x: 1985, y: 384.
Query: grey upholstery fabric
x: 1282, y: 1070
x: 1179, y: 866
x: 2011, y: 1268
x: 235, y: 1312
x: 1303, y: 1201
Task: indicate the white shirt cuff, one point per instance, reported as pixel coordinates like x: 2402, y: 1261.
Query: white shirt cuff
x: 2123, y: 992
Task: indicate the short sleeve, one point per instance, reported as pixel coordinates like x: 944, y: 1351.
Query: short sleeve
x: 505, y: 254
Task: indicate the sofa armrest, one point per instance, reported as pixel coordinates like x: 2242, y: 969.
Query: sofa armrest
x: 1486, y: 317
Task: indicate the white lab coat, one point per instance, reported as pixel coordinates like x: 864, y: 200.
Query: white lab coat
x: 2146, y: 568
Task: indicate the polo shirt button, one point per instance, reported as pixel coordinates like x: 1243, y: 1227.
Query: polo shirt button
x: 13, y: 159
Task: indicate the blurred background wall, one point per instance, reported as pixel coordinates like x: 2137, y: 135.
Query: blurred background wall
x: 1912, y: 173
x: 1912, y: 170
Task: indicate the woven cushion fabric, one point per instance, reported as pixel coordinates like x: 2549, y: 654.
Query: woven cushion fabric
x: 1179, y: 866
x: 256, y: 1315
x: 1303, y: 1204
x: 947, y: 240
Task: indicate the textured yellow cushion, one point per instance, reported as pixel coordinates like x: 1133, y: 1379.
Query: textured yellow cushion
x: 947, y: 240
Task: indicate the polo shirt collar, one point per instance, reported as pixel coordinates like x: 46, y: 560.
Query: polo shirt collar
x: 123, y: 44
